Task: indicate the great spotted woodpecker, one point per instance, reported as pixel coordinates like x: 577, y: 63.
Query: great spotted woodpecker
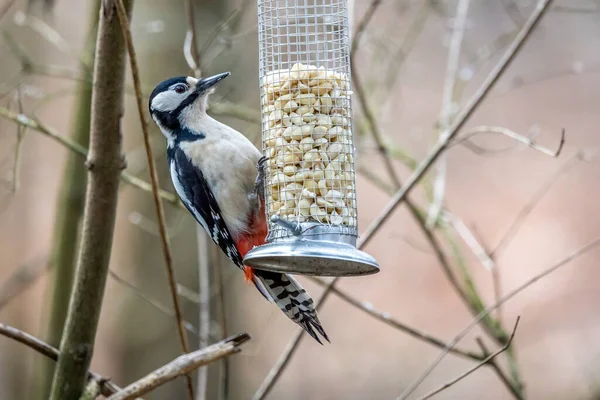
x: 216, y: 173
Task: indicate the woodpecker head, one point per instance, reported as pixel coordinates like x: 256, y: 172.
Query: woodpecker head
x: 175, y: 100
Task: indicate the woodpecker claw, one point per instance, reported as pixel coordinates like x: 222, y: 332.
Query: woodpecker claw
x: 293, y: 227
x: 259, y: 184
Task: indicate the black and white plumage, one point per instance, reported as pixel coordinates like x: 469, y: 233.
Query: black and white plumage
x: 214, y: 169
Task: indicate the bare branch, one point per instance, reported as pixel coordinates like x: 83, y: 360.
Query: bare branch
x: 362, y: 96
x: 492, y: 362
x: 204, y: 309
x: 160, y: 212
x: 535, y: 199
x: 46, y: 31
x: 475, y: 368
x: 389, y: 320
x: 22, y: 279
x: 512, y: 10
x: 373, y: 126
x: 224, y: 373
x: 513, y: 135
x: 21, y: 131
x: 496, y: 278
x: 182, y: 365
x: 76, y: 148
x: 6, y: 7
x: 212, y: 36
x: 45, y: 349
x: 413, y: 32
x: 160, y: 307
x: 363, y: 23
x: 449, y: 106
x: 191, y: 45
x: 470, y: 240
x: 583, y: 250
x: 286, y: 354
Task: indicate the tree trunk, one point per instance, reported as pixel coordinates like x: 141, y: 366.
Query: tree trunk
x: 104, y: 166
x: 68, y: 212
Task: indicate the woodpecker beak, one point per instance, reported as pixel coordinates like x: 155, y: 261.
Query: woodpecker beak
x: 207, y: 83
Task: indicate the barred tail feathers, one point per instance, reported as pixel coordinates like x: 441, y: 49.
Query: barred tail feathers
x: 287, y: 293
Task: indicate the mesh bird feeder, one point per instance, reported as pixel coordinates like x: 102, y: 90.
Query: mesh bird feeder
x: 310, y: 189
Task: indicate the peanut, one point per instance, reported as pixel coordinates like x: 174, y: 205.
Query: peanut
x: 308, y: 142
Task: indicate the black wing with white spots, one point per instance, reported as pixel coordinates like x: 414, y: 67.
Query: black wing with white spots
x: 195, y: 193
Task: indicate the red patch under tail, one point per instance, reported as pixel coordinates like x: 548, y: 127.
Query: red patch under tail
x: 255, y: 237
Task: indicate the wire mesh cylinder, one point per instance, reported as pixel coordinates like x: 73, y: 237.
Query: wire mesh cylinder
x: 305, y: 86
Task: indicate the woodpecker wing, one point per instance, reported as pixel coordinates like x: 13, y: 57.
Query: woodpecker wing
x: 195, y: 193
x: 283, y: 290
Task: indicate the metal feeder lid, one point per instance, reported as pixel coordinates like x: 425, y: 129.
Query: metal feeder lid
x: 320, y: 255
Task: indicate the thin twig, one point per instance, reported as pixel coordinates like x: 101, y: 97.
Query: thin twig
x: 533, y: 201
x: 496, y: 277
x: 22, y: 279
x: 6, y: 7
x: 46, y: 31
x: 373, y: 126
x: 448, y: 109
x: 160, y: 212
x: 363, y: 23
x: 413, y: 32
x: 475, y: 368
x: 191, y: 40
x: 394, y: 323
x: 76, y: 148
x: 470, y: 240
x: 287, y: 353
x: 498, y: 370
x: 579, y: 252
x: 21, y: 131
x: 513, y: 135
x: 212, y: 36
x: 45, y: 349
x: 204, y: 309
x: 182, y: 365
x: 512, y: 10
x: 443, y: 260
x: 160, y: 307
x: 224, y: 373
x: 362, y: 96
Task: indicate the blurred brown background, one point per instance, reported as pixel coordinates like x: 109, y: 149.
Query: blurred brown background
x: 554, y: 83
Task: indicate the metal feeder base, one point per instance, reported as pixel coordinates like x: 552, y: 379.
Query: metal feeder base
x: 303, y: 256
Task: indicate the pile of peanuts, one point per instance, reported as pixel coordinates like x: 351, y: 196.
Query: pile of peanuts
x: 308, y: 143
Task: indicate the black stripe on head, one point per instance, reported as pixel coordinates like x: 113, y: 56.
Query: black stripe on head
x: 170, y: 119
x: 164, y: 86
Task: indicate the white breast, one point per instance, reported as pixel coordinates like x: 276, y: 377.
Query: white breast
x: 227, y: 160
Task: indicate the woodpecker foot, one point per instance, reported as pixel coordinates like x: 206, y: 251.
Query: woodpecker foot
x: 259, y: 184
x: 293, y: 227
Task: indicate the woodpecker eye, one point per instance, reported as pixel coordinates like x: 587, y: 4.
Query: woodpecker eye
x: 180, y: 88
